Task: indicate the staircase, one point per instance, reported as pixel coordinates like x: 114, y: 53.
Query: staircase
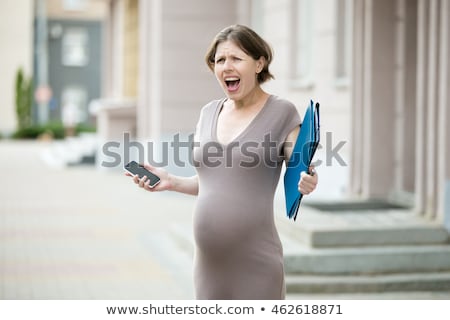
x: 364, y: 251
x: 358, y: 252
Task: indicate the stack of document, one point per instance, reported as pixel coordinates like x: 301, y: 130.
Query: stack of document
x: 300, y: 160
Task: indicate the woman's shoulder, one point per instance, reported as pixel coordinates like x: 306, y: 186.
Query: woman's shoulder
x: 212, y: 104
x: 283, y: 117
x: 210, y: 107
x: 282, y: 105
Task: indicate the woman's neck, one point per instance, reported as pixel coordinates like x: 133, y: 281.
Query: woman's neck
x: 256, y: 96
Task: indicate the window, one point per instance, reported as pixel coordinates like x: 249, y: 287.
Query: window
x: 344, y: 20
x: 75, y: 5
x: 75, y: 47
x: 303, y: 41
x: 74, y: 105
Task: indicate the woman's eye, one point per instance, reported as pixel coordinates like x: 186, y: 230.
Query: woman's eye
x: 220, y: 60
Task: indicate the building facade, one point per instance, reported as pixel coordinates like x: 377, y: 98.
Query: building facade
x: 379, y: 69
x: 401, y: 103
x: 16, y: 36
x: 74, y: 58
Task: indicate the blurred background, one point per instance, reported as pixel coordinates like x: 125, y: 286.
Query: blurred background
x: 88, y: 84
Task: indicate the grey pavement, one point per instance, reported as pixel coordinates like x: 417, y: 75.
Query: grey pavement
x: 81, y: 233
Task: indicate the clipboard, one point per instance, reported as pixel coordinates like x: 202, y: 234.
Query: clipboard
x: 305, y: 147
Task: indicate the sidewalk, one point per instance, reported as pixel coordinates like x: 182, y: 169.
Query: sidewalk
x: 78, y: 233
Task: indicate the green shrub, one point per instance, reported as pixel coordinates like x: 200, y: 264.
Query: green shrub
x: 54, y: 129
x: 82, y: 127
x: 26, y: 133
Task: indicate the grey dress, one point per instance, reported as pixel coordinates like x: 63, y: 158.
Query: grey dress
x: 238, y: 251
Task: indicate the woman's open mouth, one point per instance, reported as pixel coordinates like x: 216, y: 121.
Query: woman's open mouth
x: 232, y: 83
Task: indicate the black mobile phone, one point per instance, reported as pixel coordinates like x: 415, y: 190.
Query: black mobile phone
x: 135, y: 168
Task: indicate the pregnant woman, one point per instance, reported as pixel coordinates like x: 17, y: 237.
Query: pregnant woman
x: 241, y: 142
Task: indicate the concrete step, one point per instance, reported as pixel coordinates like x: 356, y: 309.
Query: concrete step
x: 301, y: 259
x: 366, y: 260
x: 305, y: 260
x: 396, y: 228
x: 410, y: 282
x: 385, y: 295
x: 408, y: 235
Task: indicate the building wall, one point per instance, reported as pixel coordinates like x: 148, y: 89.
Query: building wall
x: 374, y: 114
x: 175, y: 80
x: 187, y: 83
x: 279, y: 22
x: 16, y: 39
x: 131, y: 48
x: 400, y: 104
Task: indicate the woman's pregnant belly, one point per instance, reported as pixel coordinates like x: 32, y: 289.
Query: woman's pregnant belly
x: 222, y: 223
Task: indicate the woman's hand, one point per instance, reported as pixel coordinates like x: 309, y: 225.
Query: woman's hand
x: 308, y: 182
x: 164, y: 184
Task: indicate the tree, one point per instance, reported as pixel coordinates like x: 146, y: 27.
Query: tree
x: 24, y: 99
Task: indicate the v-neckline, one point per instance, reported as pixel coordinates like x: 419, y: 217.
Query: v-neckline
x: 244, y: 131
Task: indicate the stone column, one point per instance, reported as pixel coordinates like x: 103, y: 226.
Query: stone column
x: 374, y: 99
x: 443, y: 103
x: 150, y: 58
x: 432, y: 167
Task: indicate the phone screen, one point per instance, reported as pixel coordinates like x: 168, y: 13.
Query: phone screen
x: 134, y: 168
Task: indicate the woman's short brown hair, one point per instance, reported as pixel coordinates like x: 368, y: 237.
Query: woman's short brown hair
x: 249, y: 42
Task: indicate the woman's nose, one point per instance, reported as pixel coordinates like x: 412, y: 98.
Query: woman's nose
x: 227, y: 65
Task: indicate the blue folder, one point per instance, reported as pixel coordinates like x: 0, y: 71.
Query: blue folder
x: 306, y: 145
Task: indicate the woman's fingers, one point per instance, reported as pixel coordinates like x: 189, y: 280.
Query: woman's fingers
x: 142, y: 181
x: 307, y: 183
x: 136, y: 179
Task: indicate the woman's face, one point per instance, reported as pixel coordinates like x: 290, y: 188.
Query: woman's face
x: 235, y: 70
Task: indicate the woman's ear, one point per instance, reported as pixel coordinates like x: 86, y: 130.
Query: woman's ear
x: 260, y: 64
